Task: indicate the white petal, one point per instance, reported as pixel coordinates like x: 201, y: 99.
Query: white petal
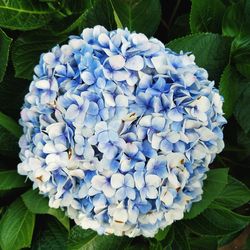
x: 109, y: 99
x: 129, y: 180
x: 152, y: 192
x: 158, y: 123
x: 77, y: 173
x: 173, y: 181
x: 98, y: 181
x: 54, y: 130
x: 117, y: 180
x: 174, y: 115
x: 156, y: 141
x: 175, y: 159
x: 167, y: 198
x: 103, y: 39
x: 108, y: 190
x: 189, y: 78
x: 203, y: 104
x: 49, y: 58
x: 49, y: 147
x: 88, y: 77
x: 101, y: 126
x: 199, y: 152
x: 120, y: 75
x: 135, y: 63
x: 139, y: 38
x: 131, y: 149
x: 153, y: 180
x: 121, y: 100
x: 160, y: 64
x: 42, y: 84
x: 145, y: 121
x: 76, y: 43
x: 66, y: 50
x: 192, y: 124
x: 206, y: 134
x: 173, y: 137
x: 120, y: 215
x: 42, y: 174
x: 83, y: 191
x: 117, y: 62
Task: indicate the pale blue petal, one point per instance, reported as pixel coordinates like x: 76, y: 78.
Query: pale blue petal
x: 135, y: 63
x: 72, y: 112
x: 88, y: 77
x: 117, y: 62
x: 139, y: 179
x: 158, y: 123
x: 166, y: 146
x: 174, y: 115
x: 130, y: 193
x: 103, y: 137
x: 120, y: 194
x: 93, y: 109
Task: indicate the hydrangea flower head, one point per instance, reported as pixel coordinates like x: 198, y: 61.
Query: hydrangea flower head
x: 119, y: 131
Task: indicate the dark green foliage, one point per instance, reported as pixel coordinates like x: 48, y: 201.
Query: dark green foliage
x: 216, y: 31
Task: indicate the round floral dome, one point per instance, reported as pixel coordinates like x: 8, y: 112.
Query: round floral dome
x: 119, y: 131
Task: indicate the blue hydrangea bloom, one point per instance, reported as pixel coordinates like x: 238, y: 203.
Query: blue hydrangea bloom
x: 119, y: 131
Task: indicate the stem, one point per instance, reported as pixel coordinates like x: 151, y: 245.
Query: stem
x: 174, y: 12
x: 164, y: 23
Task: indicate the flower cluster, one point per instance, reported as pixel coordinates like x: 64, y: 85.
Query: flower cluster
x: 119, y: 131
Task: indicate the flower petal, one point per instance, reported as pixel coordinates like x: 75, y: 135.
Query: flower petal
x: 135, y: 63
x: 117, y: 180
x: 117, y: 62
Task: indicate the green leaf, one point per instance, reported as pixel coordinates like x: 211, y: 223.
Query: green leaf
x: 94, y: 12
x: 206, y: 16
x: 180, y: 240
x: 228, y: 238
x: 52, y: 236
x: 243, y: 140
x: 236, y: 20
x: 230, y: 89
x: 24, y: 14
x: 169, y: 238
x: 16, y: 227
x: 213, y: 185
x: 38, y: 204
x: 204, y: 243
x: 117, y: 21
x: 234, y: 195
x: 217, y: 221
x: 72, y: 16
x: 244, y: 69
x: 12, y: 94
x: 10, y: 125
x: 5, y: 42
x: 100, y: 13
x: 10, y: 179
x: 233, y: 19
x: 161, y: 235
x: 241, y: 48
x: 155, y: 245
x: 30, y: 45
x: 211, y: 51
x: 138, y: 15
x: 87, y: 240
x: 27, y: 49
x: 240, y: 54
x: 8, y: 143
x: 180, y: 27
x: 242, y: 110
